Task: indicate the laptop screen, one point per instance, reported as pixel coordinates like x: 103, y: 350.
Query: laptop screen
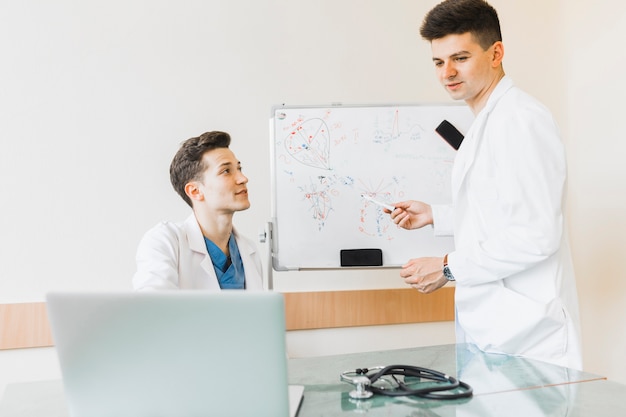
x: 172, y: 353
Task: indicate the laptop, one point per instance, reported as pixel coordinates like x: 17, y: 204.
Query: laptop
x: 173, y: 353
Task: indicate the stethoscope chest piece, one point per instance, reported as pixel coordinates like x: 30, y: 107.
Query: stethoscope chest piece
x: 360, y: 392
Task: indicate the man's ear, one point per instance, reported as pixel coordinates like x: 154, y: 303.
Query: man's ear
x: 193, y: 191
x: 498, y: 54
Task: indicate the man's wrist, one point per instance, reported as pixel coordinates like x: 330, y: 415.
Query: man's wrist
x: 446, y: 269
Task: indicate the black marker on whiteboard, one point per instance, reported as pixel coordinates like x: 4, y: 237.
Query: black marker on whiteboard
x: 380, y: 203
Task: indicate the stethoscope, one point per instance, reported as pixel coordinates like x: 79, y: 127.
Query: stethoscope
x: 376, y: 380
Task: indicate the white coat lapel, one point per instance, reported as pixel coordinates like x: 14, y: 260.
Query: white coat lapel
x: 247, y: 257
x: 466, y: 154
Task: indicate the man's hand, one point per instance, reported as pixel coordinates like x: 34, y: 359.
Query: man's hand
x: 424, y: 274
x: 411, y: 214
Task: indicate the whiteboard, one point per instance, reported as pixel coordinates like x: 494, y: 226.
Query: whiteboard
x: 325, y: 158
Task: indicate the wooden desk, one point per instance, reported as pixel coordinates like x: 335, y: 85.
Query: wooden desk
x: 25, y: 325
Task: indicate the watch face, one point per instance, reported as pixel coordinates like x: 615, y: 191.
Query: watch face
x: 447, y: 273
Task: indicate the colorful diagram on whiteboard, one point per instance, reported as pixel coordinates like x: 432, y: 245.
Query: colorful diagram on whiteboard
x: 309, y: 143
x: 373, y: 221
x: 319, y: 196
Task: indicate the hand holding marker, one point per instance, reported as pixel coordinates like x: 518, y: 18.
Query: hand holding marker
x: 380, y: 203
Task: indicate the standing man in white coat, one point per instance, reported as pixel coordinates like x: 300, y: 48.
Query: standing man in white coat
x: 205, y: 251
x: 515, y: 287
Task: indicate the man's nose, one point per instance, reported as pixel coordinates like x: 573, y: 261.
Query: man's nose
x: 449, y: 71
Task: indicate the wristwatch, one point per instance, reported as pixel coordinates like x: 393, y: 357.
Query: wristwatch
x: 446, y: 270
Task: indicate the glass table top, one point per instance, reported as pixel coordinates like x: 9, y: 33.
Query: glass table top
x: 503, y: 385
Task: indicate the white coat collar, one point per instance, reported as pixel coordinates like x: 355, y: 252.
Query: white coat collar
x: 194, y: 235
x: 197, y: 243
x: 503, y: 86
x: 467, y: 151
x: 246, y: 249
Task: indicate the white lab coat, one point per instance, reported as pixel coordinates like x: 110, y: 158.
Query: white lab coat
x: 174, y: 256
x: 515, y: 285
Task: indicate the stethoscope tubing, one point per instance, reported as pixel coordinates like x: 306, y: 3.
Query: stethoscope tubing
x: 433, y: 392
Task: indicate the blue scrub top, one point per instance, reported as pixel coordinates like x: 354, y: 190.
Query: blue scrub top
x: 229, y: 271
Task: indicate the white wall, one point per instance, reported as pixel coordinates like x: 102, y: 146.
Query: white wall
x: 595, y: 113
x: 96, y: 96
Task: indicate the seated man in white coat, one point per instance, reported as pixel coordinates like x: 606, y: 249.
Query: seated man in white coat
x: 515, y: 287
x: 205, y: 251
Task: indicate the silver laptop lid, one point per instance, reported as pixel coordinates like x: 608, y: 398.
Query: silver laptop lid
x: 178, y: 353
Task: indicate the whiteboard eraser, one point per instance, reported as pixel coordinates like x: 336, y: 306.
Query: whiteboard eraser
x: 361, y: 257
x: 450, y: 134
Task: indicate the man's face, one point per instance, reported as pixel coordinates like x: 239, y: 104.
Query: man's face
x: 223, y: 183
x: 466, y: 71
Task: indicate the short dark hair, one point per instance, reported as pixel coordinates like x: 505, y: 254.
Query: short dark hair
x: 188, y: 163
x: 455, y: 17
